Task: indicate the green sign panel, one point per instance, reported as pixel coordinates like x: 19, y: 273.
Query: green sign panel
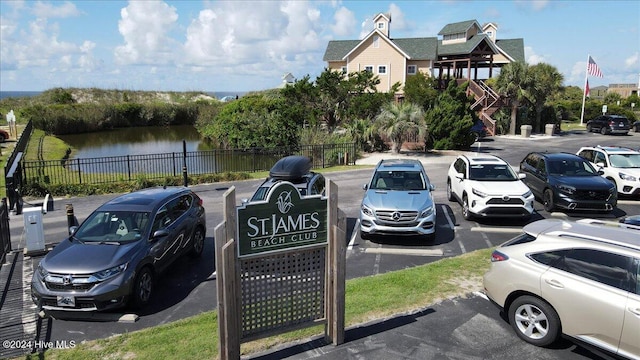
x: 283, y: 221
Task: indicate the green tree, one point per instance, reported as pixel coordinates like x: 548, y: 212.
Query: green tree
x: 512, y: 83
x: 545, y: 81
x: 612, y: 98
x: 451, y: 119
x: 398, y: 121
x: 420, y: 89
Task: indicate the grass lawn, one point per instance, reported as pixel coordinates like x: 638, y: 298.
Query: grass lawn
x: 368, y: 298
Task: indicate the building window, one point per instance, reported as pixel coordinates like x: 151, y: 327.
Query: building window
x: 376, y: 41
x: 412, y: 69
x: 382, y: 69
x: 343, y: 69
x: 490, y: 34
x: 368, y: 68
x: 380, y: 25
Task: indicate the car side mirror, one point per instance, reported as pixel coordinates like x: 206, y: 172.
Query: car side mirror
x: 244, y: 201
x: 432, y: 187
x: 459, y: 176
x: 521, y: 176
x: 365, y: 186
x: 600, y: 164
x: 73, y: 229
x: 600, y: 172
x: 159, y: 233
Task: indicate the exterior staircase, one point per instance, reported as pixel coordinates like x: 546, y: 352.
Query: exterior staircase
x: 487, y: 102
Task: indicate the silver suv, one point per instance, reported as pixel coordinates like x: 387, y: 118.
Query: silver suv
x: 398, y: 201
x: 580, y: 279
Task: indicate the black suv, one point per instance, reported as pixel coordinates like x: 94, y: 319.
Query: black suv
x: 567, y: 181
x: 609, y: 124
x: 114, y: 257
x: 296, y: 170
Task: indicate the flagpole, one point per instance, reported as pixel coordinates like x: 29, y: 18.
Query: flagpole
x: 584, y: 90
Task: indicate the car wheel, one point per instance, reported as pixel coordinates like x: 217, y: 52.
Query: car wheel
x: 142, y: 288
x: 449, y: 191
x: 547, y: 200
x: 603, y: 130
x: 534, y: 321
x: 466, y: 213
x: 198, y: 242
x: 589, y: 129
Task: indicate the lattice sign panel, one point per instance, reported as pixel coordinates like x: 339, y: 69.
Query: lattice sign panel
x: 282, y: 290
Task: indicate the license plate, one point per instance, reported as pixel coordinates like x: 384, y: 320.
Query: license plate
x: 621, y: 124
x: 67, y: 301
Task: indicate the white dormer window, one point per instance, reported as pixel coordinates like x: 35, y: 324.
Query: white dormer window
x: 381, y: 25
x: 368, y: 68
x: 412, y: 69
x: 490, y: 34
x: 376, y: 41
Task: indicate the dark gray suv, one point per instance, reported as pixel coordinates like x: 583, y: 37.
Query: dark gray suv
x: 609, y: 124
x: 113, y: 258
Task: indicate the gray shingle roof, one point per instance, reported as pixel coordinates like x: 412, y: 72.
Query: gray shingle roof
x: 458, y: 27
x: 419, y: 48
x: 513, y: 47
x: 337, y: 49
x: 464, y: 47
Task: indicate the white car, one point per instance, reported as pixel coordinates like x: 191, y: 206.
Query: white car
x: 620, y: 166
x: 487, y: 186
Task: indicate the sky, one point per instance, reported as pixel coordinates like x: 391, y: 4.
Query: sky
x: 227, y: 46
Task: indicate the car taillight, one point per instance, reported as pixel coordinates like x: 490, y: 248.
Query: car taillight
x: 498, y: 256
x: 200, y: 201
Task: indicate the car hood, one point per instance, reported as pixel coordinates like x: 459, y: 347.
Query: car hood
x: 78, y: 258
x: 585, y: 182
x: 515, y: 188
x: 629, y: 171
x: 398, y: 200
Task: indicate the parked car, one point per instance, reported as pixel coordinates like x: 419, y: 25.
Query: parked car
x: 486, y: 185
x: 296, y: 170
x: 114, y: 257
x: 570, y: 278
x: 636, y: 126
x: 479, y: 130
x: 398, y: 201
x: 619, y: 165
x: 4, y: 135
x: 567, y: 181
x: 609, y: 124
x: 631, y: 220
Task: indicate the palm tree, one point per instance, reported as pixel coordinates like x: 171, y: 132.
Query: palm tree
x: 512, y: 83
x: 398, y: 121
x: 545, y: 82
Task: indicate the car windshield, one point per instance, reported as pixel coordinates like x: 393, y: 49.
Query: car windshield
x: 398, y: 180
x: 625, y: 160
x: 492, y: 172
x: 571, y: 168
x: 113, y: 226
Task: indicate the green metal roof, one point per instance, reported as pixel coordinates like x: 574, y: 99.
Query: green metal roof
x: 459, y: 27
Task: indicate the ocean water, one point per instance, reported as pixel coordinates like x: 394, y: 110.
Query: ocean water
x: 17, y: 94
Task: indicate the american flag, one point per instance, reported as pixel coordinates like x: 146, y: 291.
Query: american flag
x: 592, y: 68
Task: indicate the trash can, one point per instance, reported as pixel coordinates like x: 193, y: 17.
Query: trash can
x: 33, y: 230
x: 525, y: 131
x: 548, y: 129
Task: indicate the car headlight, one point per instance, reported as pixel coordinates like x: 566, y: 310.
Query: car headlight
x: 479, y: 193
x: 108, y: 273
x: 626, y: 177
x: 567, y: 189
x: 427, y: 212
x: 42, y: 271
x: 527, y: 194
x: 367, y: 211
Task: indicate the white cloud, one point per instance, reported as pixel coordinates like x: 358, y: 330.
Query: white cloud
x: 345, y: 22
x: 145, y: 25
x: 398, y: 21
x: 531, y: 57
x: 632, y: 61
x: 49, y: 10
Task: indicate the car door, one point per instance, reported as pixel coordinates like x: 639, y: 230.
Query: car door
x: 536, y: 178
x: 600, y: 280
x: 174, y: 233
x: 457, y: 185
x: 630, y: 339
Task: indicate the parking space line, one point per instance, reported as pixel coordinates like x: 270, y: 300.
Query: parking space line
x: 446, y: 214
x: 415, y: 252
x: 461, y: 245
x: 376, y: 265
x: 506, y: 230
x: 353, y: 237
x: 486, y: 239
x: 629, y: 202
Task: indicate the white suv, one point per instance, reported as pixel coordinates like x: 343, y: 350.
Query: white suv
x: 486, y: 185
x: 620, y: 166
x: 580, y: 279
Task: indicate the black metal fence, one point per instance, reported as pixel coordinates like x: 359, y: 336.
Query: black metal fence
x: 5, y: 233
x: 158, y: 166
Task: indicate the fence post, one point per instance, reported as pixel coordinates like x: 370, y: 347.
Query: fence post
x: 129, y: 167
x: 184, y: 163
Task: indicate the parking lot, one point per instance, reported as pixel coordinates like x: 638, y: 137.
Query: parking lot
x: 190, y: 288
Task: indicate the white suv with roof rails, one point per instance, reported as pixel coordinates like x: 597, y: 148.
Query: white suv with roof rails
x: 620, y: 166
x: 487, y: 186
x: 580, y: 279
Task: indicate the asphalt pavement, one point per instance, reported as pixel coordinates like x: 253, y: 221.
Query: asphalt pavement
x: 464, y: 328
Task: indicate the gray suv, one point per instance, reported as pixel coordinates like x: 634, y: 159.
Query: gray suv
x: 398, y: 201
x: 114, y: 257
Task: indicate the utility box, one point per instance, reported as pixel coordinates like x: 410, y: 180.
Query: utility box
x: 34, y: 231
x: 525, y: 131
